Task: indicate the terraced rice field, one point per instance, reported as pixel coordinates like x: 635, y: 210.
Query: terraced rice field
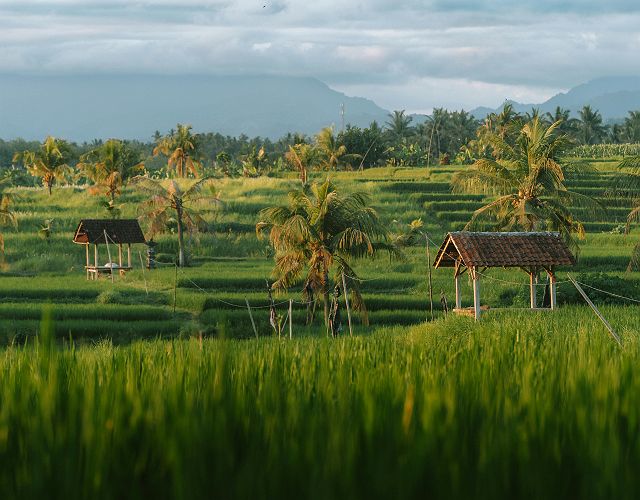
x: 229, y: 264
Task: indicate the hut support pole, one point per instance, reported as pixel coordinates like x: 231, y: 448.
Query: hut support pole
x: 457, y: 281
x: 552, y: 290
x: 532, y: 289
x: 95, y: 258
x: 476, y: 293
x: 120, y: 255
x: 128, y: 254
x: 87, y: 252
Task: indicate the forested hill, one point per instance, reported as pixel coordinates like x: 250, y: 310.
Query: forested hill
x: 82, y: 108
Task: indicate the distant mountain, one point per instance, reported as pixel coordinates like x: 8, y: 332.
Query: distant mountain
x: 614, y: 97
x: 82, y: 108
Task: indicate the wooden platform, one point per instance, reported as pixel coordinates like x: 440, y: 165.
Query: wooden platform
x: 95, y: 271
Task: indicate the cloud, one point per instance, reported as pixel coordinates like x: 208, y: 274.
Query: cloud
x: 411, y: 54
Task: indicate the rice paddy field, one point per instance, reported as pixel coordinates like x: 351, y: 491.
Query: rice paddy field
x: 155, y: 386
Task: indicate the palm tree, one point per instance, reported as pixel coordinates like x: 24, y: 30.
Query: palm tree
x: 318, y: 231
x: 399, y: 125
x: 632, y: 126
x: 328, y: 149
x: 109, y: 166
x: 627, y: 185
x: 164, y: 203
x: 567, y: 125
x: 590, y: 127
x: 181, y: 149
x: 48, y: 162
x: 528, y: 180
x: 7, y: 217
x: 301, y: 157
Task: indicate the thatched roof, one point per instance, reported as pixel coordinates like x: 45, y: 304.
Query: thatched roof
x: 118, y: 231
x: 480, y: 249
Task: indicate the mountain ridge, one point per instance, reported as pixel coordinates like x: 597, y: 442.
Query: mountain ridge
x: 82, y: 108
x: 612, y: 96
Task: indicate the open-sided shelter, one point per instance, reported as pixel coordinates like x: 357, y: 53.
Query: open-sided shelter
x: 476, y: 252
x: 117, y: 232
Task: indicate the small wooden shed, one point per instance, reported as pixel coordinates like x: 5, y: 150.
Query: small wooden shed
x: 117, y: 232
x: 476, y: 252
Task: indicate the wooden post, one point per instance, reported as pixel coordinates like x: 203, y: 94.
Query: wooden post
x: 290, y: 320
x: 346, y: 302
x: 109, y: 254
x: 120, y: 254
x: 532, y: 290
x: 143, y: 275
x: 128, y: 254
x: 552, y: 290
x: 476, y: 293
x: 255, y: 330
x: 175, y: 290
x: 458, y: 294
x: 87, y: 267
x: 430, y: 284
x: 95, y: 263
x: 595, y: 310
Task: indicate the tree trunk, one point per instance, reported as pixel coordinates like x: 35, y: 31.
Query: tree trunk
x: 49, y: 186
x: 180, y: 239
x: 325, y: 298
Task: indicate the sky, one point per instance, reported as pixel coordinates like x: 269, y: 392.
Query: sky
x: 411, y: 54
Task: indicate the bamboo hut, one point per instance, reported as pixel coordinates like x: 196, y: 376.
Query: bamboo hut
x: 113, y: 233
x: 476, y: 252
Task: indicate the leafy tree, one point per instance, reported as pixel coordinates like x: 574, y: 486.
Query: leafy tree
x: 590, y: 127
x: 109, y: 166
x: 49, y: 161
x: 319, y: 231
x: 165, y: 202
x: 181, y: 149
x: 253, y: 162
x: 367, y: 146
x: 529, y: 181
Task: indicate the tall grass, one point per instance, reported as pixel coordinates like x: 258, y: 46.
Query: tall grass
x: 522, y: 405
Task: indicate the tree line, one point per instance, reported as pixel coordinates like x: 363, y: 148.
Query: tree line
x: 443, y: 137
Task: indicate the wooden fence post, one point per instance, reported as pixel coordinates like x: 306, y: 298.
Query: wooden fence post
x: 255, y: 330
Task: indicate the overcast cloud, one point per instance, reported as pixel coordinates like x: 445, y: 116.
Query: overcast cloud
x: 410, y: 54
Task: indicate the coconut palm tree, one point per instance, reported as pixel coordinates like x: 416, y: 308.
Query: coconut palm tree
x: 329, y: 150
x: 181, y: 149
x: 632, y: 126
x: 319, y: 231
x: 166, y: 203
x: 529, y: 181
x: 109, y: 166
x: 627, y: 185
x: 7, y: 217
x: 590, y: 127
x: 48, y: 162
x: 399, y: 126
x: 301, y: 157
